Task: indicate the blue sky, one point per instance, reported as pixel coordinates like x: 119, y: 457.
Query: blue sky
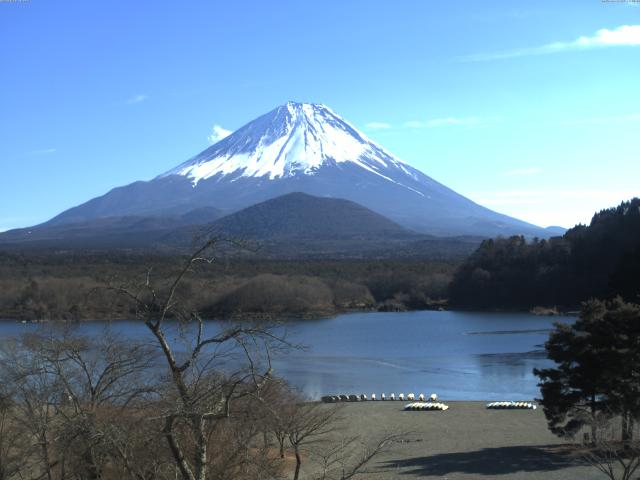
x: 530, y: 108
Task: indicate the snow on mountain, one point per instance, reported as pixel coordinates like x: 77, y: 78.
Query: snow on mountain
x: 294, y: 139
x: 302, y: 147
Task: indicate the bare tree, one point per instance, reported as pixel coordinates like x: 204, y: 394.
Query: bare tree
x: 308, y: 425
x: 197, y: 401
x: 33, y: 396
x: 12, y: 439
x: 275, y: 408
x: 72, y: 396
x: 617, y: 459
x: 347, y: 458
x: 315, y: 430
x: 101, y: 379
x: 208, y: 371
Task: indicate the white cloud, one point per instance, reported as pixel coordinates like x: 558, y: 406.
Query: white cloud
x: 625, y: 35
x: 622, y: 36
x: 218, y: 133
x: 378, y: 126
x: 136, y: 99
x: 522, y: 171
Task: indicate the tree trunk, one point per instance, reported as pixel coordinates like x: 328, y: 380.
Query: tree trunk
x: 298, y: 463
x: 176, y: 451
x: 201, y: 448
x: 92, y: 472
x: 594, y: 424
x: 45, y: 454
x: 63, y: 467
x: 626, y: 439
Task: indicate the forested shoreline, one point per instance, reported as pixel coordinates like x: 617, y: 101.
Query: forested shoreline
x: 601, y: 260
x: 82, y: 286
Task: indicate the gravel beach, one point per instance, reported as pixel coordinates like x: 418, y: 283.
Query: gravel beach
x: 465, y: 442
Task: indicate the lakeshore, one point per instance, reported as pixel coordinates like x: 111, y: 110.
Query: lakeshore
x: 465, y: 442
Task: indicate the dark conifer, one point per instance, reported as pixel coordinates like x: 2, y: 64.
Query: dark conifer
x: 597, y: 372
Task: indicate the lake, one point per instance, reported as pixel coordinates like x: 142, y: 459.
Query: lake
x: 458, y: 355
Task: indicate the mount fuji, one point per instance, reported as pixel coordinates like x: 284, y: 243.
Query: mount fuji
x: 300, y: 147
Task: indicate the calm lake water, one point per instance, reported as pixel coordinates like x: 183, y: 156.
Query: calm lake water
x: 458, y: 355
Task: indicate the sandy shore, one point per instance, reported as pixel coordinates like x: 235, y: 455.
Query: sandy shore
x: 465, y: 442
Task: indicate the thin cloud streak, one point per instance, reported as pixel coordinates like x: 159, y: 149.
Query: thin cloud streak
x: 622, y: 36
x: 136, y: 99
x: 44, y: 151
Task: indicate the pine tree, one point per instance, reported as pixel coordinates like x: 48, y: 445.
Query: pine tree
x: 597, y: 369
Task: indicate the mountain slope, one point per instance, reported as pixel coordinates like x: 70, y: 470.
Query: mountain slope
x: 297, y: 215
x: 303, y: 148
x: 299, y: 225
x: 108, y: 232
x: 295, y: 225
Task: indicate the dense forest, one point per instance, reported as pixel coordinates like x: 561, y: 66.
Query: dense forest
x: 73, y: 286
x: 600, y: 260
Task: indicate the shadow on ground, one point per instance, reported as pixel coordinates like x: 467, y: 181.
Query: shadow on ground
x: 488, y: 461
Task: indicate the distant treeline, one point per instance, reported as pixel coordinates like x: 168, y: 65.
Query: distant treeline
x: 596, y: 261
x: 601, y: 260
x: 74, y: 286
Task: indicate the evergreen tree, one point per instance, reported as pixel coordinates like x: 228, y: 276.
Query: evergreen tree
x: 620, y: 329
x: 600, y: 260
x: 597, y: 369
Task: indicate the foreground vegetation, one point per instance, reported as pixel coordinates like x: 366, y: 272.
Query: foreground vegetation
x: 104, y: 408
x: 201, y: 402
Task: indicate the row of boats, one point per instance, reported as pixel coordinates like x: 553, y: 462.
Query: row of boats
x: 422, y: 403
x: 392, y: 397
x: 492, y: 405
x: 511, y: 405
x: 427, y: 406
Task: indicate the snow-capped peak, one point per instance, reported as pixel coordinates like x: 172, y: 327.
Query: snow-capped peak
x: 293, y: 139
